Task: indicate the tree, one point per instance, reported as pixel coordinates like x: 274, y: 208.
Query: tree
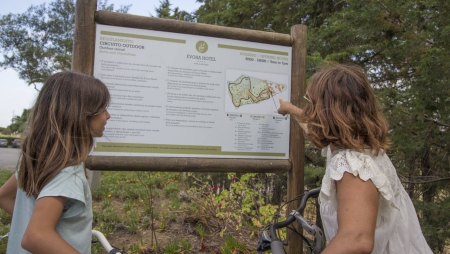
x: 19, y: 122
x: 38, y: 43
x: 164, y: 11
x: 5, y: 131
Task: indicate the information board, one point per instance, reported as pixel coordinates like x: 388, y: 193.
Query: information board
x: 181, y: 95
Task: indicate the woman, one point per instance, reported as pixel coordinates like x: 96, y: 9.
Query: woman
x: 363, y: 205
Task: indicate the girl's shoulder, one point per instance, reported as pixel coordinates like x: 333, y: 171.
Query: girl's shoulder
x: 74, y: 173
x: 71, y: 179
x: 73, y: 169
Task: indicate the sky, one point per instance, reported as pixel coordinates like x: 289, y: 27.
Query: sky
x: 16, y: 94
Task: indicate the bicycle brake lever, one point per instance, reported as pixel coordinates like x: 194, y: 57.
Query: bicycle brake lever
x: 313, y: 230
x: 263, y: 242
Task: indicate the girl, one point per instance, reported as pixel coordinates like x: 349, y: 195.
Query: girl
x: 363, y: 205
x: 49, y: 196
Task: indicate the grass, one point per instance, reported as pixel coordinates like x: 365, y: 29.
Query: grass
x: 5, y: 218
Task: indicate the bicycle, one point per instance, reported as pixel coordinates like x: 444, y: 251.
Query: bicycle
x: 271, y: 241
x: 100, y: 238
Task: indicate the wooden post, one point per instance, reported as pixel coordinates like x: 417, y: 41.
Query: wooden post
x: 295, y: 177
x: 83, y: 54
x: 84, y: 37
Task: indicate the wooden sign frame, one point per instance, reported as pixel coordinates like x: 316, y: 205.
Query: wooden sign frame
x: 87, y: 17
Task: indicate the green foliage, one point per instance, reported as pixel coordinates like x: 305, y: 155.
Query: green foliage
x: 244, y: 204
x: 313, y: 175
x: 4, y: 229
x: 137, y: 248
x: 6, y: 131
x: 232, y: 246
x: 163, y: 224
x: 165, y: 11
x: 171, y: 189
x: 132, y: 222
x: 103, y: 5
x: 241, y: 205
x: 18, y: 123
x: 185, y: 246
x: 172, y: 247
x: 200, y: 230
x: 38, y: 42
x: 172, y: 217
x: 259, y: 15
x: 5, y: 218
x: 128, y: 205
x: 174, y: 204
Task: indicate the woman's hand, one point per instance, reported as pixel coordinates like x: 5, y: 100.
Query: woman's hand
x: 286, y: 107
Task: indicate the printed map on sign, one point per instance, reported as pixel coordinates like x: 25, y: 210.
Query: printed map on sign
x: 247, y: 90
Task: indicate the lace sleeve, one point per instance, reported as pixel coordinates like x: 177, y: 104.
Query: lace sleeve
x: 358, y: 164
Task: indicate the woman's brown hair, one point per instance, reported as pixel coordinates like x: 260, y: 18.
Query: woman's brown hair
x: 343, y: 110
x: 58, y: 130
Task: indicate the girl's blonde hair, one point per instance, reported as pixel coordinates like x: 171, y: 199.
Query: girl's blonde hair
x: 343, y: 110
x: 58, y: 130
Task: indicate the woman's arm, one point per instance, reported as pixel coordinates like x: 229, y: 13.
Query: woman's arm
x: 357, y: 215
x: 8, y: 194
x: 289, y: 108
x: 40, y: 235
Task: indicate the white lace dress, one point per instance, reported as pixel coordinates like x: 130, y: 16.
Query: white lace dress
x: 397, y: 229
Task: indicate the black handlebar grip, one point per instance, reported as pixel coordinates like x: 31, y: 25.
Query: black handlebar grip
x: 277, y: 247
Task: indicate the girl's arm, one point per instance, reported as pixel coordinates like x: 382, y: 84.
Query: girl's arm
x: 40, y: 235
x: 8, y: 194
x: 357, y: 216
x: 289, y: 108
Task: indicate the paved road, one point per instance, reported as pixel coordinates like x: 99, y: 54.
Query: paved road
x: 9, y: 157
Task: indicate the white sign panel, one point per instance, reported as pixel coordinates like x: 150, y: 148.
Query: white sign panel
x: 178, y: 95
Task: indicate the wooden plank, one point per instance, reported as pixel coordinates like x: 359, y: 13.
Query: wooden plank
x: 183, y: 27
x: 295, y: 179
x: 171, y: 164
x: 84, y: 37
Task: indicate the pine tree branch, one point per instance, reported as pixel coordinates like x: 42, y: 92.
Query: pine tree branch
x: 428, y: 119
x: 415, y: 134
x: 390, y: 13
x: 411, y: 131
x: 424, y: 182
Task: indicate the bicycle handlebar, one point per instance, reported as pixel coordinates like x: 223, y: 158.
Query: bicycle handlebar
x: 312, y: 193
x: 270, y: 241
x: 277, y: 247
x: 102, y: 239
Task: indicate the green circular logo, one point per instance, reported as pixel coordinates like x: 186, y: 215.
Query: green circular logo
x: 201, y: 46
